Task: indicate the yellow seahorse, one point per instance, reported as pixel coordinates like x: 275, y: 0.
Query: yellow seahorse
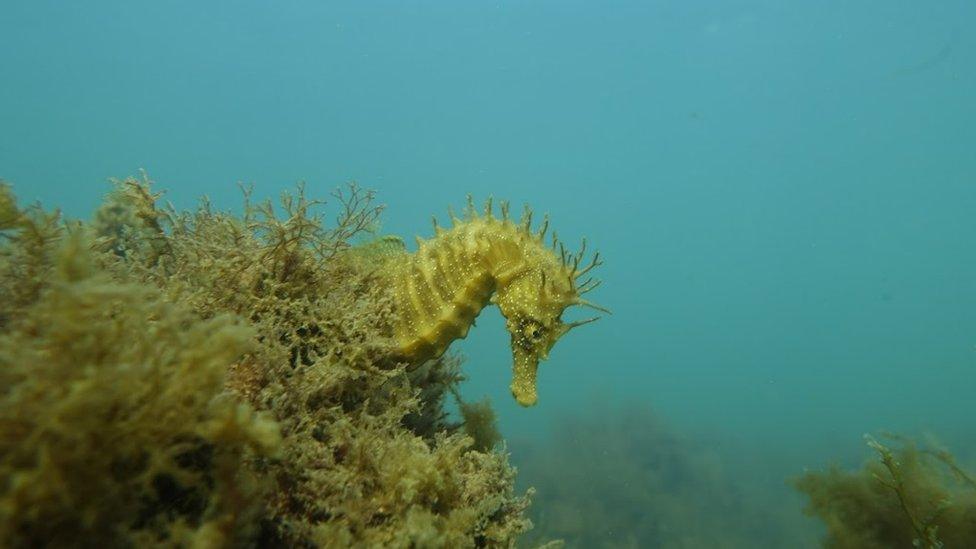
x: 482, y: 259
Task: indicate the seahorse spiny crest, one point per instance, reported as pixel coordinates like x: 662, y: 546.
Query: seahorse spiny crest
x: 482, y: 259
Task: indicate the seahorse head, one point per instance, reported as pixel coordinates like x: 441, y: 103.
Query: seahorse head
x: 533, y: 305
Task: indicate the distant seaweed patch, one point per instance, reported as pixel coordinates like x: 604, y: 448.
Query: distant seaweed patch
x: 908, y: 496
x: 627, y: 479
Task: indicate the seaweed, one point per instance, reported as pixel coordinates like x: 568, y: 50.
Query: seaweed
x: 107, y: 392
x: 625, y: 479
x: 908, y: 496
x: 480, y: 423
x: 230, y: 381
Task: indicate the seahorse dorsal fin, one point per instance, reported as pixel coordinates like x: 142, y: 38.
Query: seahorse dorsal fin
x: 392, y: 241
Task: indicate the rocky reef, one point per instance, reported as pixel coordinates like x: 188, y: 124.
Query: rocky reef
x: 203, y: 378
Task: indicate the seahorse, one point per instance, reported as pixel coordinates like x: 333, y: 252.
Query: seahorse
x: 441, y: 288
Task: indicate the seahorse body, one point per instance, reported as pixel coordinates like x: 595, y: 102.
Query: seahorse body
x: 481, y: 259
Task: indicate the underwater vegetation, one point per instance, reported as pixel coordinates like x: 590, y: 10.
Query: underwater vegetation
x: 624, y: 479
x: 908, y: 497
x: 200, y: 378
x: 114, y: 425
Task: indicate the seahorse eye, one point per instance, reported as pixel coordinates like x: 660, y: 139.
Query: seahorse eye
x: 533, y: 331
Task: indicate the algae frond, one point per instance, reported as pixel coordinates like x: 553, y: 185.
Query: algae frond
x: 909, y: 496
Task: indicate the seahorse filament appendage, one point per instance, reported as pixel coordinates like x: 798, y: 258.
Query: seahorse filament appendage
x: 482, y: 259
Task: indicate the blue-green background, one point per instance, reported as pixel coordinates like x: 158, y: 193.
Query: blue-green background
x: 784, y: 191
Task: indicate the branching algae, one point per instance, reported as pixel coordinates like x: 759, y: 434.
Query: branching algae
x: 114, y: 425
x: 441, y: 288
x: 909, y: 497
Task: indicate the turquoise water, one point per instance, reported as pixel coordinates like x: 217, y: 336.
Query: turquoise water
x: 784, y: 192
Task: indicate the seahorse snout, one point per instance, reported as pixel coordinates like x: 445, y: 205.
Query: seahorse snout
x: 524, y: 369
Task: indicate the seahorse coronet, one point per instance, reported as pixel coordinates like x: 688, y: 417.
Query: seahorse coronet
x: 481, y: 259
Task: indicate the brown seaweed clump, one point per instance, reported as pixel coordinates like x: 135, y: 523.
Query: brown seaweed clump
x: 114, y: 425
x: 627, y: 480
x: 908, y: 497
x: 206, y: 378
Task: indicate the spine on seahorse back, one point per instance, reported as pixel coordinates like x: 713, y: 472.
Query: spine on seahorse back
x: 440, y: 289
